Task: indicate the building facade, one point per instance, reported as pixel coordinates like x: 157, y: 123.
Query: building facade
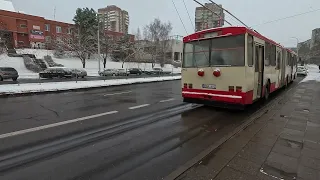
x: 31, y: 31
x: 205, y: 19
x: 114, y: 19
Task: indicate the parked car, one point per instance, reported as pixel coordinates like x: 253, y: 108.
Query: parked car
x: 109, y: 72
x: 157, y: 71
x: 123, y: 72
x: 302, y: 71
x: 8, y: 73
x: 79, y: 73
x: 54, y: 72
x: 135, y: 71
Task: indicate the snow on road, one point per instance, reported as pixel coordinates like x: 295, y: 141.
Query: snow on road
x: 59, y: 86
x: 314, y: 74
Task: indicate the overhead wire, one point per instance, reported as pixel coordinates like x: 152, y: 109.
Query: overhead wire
x: 288, y: 17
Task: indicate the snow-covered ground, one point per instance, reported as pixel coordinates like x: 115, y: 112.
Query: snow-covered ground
x: 18, y: 64
x: 92, y: 64
x: 314, y: 73
x: 58, y: 86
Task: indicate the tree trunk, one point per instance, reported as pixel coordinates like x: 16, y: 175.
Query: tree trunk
x: 104, y: 62
x: 84, y: 63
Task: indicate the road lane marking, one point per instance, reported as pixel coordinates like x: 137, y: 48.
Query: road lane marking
x: 140, y: 106
x: 119, y: 93
x: 167, y: 100
x: 16, y: 133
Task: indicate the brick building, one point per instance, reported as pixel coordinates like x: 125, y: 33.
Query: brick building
x: 31, y: 31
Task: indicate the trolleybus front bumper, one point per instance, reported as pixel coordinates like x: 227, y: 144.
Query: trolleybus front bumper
x: 217, y: 98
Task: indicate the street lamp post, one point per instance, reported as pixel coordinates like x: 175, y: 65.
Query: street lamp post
x: 99, y: 45
x: 297, y: 45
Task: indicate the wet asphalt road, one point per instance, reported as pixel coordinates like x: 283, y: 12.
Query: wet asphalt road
x: 88, y: 78
x: 148, y: 134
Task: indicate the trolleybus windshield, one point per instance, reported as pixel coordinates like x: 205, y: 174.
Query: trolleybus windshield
x: 221, y: 51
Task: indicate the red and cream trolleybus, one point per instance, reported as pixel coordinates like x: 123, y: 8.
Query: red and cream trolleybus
x: 234, y: 66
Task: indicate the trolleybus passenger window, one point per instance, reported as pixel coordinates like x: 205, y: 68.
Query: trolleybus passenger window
x: 228, y: 51
x: 250, y: 50
x: 188, y: 55
x: 273, y: 55
x: 268, y: 54
x: 201, y: 53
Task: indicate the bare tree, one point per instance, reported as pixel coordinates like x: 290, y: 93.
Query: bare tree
x: 157, y: 33
x: 107, y: 45
x: 82, y: 45
x: 5, y: 38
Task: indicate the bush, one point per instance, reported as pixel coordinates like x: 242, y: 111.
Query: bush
x: 50, y: 62
x: 30, y: 65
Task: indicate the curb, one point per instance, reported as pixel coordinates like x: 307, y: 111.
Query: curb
x: 5, y: 95
x: 189, y: 164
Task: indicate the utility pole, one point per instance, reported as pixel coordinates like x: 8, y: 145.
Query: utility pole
x: 99, y: 44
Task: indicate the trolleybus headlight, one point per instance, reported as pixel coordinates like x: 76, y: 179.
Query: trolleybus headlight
x: 239, y: 89
x: 231, y: 88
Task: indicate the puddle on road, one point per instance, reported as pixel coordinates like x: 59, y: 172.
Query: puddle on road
x: 277, y: 173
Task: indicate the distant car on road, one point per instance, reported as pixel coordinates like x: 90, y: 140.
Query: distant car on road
x: 8, y: 73
x: 302, y: 71
x: 109, y: 72
x: 56, y: 72
x: 79, y: 73
x: 136, y: 71
x: 123, y: 72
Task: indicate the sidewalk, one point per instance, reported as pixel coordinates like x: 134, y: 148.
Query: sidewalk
x: 282, y: 144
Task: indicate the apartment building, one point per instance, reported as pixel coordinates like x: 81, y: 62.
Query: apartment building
x: 114, y: 19
x: 205, y: 19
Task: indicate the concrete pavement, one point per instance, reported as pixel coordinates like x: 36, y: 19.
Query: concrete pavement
x: 282, y: 144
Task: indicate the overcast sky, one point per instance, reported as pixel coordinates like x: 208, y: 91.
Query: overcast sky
x: 252, y: 12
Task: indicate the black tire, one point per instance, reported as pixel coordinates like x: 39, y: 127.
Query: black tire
x: 82, y: 77
x: 1, y: 78
x: 14, y: 79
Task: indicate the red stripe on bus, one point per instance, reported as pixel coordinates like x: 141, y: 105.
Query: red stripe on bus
x: 273, y: 87
x: 246, y: 97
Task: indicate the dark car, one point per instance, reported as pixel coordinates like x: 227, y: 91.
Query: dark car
x: 157, y: 71
x: 136, y: 71
x: 54, y: 72
x: 8, y: 73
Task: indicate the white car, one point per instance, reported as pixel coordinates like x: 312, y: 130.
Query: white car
x: 302, y: 71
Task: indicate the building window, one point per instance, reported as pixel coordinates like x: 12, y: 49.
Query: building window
x: 59, y: 29
x: 23, y: 26
x: 47, y: 27
x: 69, y: 30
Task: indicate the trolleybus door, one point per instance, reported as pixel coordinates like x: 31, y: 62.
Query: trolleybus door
x: 279, y: 67
x: 283, y: 67
x: 258, y: 75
